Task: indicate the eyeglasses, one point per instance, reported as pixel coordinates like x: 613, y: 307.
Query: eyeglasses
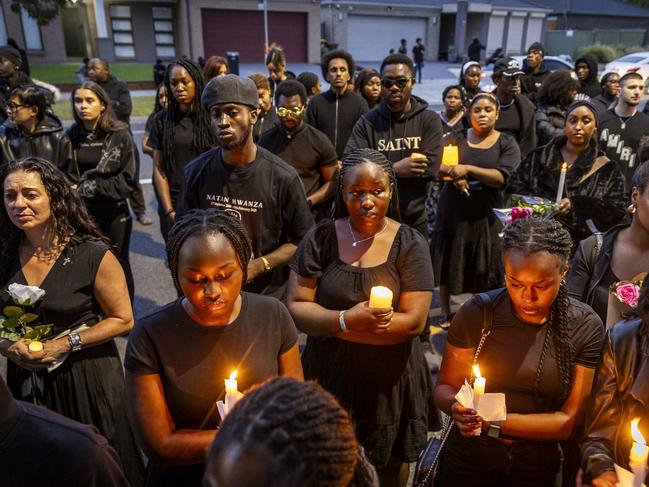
x: 14, y: 108
x: 400, y: 82
x: 285, y: 112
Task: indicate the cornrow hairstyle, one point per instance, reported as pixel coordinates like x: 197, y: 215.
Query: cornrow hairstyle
x: 260, y: 80
x: 297, y: 431
x: 536, y: 234
x: 398, y: 59
x: 290, y: 87
x: 71, y: 220
x: 356, y: 158
x: 337, y: 54
x: 463, y: 94
x: 207, y: 222
x: 203, y: 136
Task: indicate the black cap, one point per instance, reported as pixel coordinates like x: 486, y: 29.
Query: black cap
x: 507, y: 66
x: 536, y: 46
x: 11, y: 54
x: 230, y: 89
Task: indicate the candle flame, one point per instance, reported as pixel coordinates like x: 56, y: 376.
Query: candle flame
x: 233, y: 375
x: 564, y: 166
x: 476, y: 371
x: 635, y: 432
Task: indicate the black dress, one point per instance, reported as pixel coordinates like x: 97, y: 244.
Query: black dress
x: 465, y: 245
x: 89, y: 385
x: 386, y: 388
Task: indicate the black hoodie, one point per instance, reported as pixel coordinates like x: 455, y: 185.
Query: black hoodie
x: 531, y: 82
x: 47, y: 141
x: 590, y: 86
x: 336, y: 115
x: 120, y: 97
x: 418, y: 130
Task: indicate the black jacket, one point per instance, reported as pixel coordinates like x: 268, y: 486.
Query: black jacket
x: 6, y: 89
x: 418, y: 130
x: 120, y: 97
x: 589, y: 86
x: 589, y: 266
x: 550, y: 121
x: 620, y: 393
x: 531, y: 82
x: 603, y: 102
x: 336, y: 115
x: 527, y: 138
x: 48, y: 141
x: 594, y: 185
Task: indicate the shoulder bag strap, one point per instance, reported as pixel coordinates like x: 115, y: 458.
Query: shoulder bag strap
x: 487, y: 322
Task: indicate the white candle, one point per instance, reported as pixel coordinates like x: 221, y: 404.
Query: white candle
x: 562, y: 182
x: 639, y: 455
x: 231, y: 391
x: 380, y: 297
x: 480, y: 382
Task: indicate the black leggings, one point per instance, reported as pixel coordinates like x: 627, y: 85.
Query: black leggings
x: 114, y: 220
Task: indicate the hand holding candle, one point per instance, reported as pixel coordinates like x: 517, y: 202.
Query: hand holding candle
x: 380, y: 297
x: 232, y: 394
x: 479, y: 385
x: 562, y: 182
x: 639, y: 455
x: 450, y: 157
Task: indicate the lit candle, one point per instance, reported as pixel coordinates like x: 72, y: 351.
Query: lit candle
x: 450, y: 157
x: 562, y: 182
x: 639, y: 454
x: 231, y: 391
x: 35, y: 346
x: 380, y: 297
x: 480, y: 382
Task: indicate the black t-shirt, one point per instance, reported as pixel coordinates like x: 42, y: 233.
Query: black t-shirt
x: 40, y: 447
x: 621, y: 145
x: 193, y: 361
x: 88, y: 146
x: 266, y: 194
x: 184, y: 150
x: 307, y: 150
x: 418, y: 53
x: 510, y: 356
x: 509, y: 121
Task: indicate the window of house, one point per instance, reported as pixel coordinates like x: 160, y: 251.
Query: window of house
x: 122, y: 27
x: 163, y: 29
x: 31, y: 32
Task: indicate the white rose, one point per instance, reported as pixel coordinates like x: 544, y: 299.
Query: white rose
x: 25, y: 295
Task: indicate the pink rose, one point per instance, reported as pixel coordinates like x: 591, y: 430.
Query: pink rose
x: 628, y: 294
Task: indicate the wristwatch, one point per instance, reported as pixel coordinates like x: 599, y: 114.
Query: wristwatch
x: 75, y: 341
x: 494, y: 430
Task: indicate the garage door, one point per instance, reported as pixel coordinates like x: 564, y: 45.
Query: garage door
x: 243, y: 31
x: 515, y: 34
x: 370, y: 37
x: 496, y: 28
x: 534, y: 31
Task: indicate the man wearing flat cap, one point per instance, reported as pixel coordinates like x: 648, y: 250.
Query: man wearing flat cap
x: 250, y: 182
x: 516, y: 116
x: 10, y: 76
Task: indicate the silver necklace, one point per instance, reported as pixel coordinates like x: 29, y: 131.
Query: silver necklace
x: 356, y: 242
x: 624, y: 120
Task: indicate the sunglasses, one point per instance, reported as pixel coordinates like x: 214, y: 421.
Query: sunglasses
x: 400, y: 82
x: 285, y: 112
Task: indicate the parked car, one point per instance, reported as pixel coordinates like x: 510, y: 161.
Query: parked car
x: 553, y: 63
x: 637, y: 62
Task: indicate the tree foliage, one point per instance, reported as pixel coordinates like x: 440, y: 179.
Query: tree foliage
x: 41, y: 10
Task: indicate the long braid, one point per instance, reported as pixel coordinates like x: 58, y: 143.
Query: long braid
x: 308, y: 435
x: 531, y: 235
x: 203, y: 136
x: 366, y: 156
x: 207, y: 222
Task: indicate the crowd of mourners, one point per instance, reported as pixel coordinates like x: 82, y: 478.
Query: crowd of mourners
x: 281, y: 207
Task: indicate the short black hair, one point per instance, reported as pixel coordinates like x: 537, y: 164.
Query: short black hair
x: 309, y: 80
x: 398, y: 59
x: 290, y: 87
x: 337, y: 54
x: 463, y: 94
x: 33, y: 96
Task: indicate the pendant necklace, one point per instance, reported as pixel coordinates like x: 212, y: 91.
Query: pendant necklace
x: 356, y: 242
x: 624, y: 120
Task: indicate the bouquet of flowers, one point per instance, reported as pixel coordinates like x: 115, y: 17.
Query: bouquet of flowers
x: 525, y: 206
x: 17, y: 322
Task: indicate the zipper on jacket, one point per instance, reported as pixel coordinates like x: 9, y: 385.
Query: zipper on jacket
x: 336, y: 124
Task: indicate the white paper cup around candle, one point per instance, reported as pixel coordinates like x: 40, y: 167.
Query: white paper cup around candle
x: 380, y: 297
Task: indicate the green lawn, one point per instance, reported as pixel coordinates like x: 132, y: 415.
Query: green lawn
x: 142, y: 107
x: 64, y: 73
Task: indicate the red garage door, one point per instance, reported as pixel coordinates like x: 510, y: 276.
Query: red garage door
x: 243, y: 31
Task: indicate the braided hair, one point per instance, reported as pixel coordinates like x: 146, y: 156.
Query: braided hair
x: 207, y: 222
x: 531, y: 235
x: 366, y: 156
x: 204, y: 137
x: 303, y: 435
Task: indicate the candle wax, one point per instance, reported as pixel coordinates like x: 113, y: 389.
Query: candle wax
x: 450, y: 156
x: 380, y: 297
x: 479, y: 385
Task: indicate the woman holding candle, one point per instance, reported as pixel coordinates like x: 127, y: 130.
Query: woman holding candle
x: 465, y: 247
x: 368, y: 357
x: 541, y: 352
x: 620, y: 394
x: 179, y: 358
x: 594, y: 186
x: 50, y: 241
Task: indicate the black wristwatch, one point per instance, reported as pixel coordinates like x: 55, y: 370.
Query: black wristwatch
x: 494, y: 430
